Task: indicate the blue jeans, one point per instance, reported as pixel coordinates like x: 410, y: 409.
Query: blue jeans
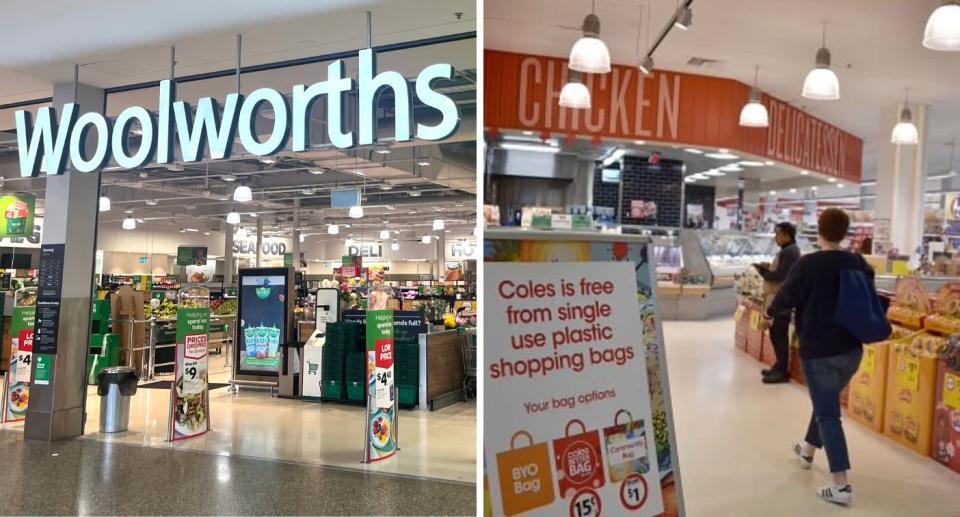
x: 826, y: 378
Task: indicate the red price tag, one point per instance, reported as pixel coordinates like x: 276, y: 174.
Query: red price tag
x: 585, y: 503
x: 633, y: 492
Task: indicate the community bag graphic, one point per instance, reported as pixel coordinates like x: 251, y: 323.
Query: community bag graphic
x: 579, y: 460
x: 626, y: 447
x: 525, y: 476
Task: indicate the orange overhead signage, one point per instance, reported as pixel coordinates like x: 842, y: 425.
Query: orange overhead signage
x: 523, y: 92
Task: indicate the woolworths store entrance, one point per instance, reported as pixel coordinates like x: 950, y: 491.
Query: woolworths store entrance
x: 237, y: 246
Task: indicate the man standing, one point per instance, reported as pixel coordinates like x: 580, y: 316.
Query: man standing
x: 785, y: 235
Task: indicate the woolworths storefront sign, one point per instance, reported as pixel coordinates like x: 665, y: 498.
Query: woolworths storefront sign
x: 212, y: 131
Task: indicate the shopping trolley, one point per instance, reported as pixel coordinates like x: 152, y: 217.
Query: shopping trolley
x: 312, y: 367
x: 468, y: 345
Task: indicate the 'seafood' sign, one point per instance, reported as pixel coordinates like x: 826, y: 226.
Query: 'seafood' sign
x: 206, y: 133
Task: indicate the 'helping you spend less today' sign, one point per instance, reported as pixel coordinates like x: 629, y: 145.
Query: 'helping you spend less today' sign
x: 572, y: 432
x: 50, y: 142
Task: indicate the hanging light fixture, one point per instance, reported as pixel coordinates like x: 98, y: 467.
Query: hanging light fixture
x: 754, y: 113
x: 575, y: 94
x: 943, y: 28
x: 395, y: 246
x: 438, y: 224
x: 684, y: 18
x: 242, y: 232
x: 242, y: 194
x: 233, y: 218
x: 590, y: 54
x: 822, y: 83
x: 384, y: 234
x: 302, y: 238
x: 356, y: 212
x: 349, y: 242
x: 646, y: 66
x: 129, y: 223
x: 333, y: 229
x: 104, y: 204
x: 905, y: 132
x: 426, y: 239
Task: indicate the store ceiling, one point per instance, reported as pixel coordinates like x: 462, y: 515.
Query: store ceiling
x: 875, y: 45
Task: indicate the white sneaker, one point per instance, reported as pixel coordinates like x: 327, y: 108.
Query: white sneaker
x: 805, y: 462
x: 837, y: 494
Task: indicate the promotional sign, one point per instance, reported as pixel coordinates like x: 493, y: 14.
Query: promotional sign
x: 18, y: 212
x: 191, y: 396
x: 16, y: 389
x: 407, y: 325
x: 263, y: 315
x: 381, y: 439
x: 191, y: 255
x: 565, y: 367
x: 247, y: 247
x: 31, y: 240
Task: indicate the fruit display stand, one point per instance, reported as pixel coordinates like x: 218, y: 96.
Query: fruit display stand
x: 945, y: 446
x: 868, y: 386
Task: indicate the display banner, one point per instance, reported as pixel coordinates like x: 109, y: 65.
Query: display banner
x: 191, y: 256
x: 191, y: 408
x: 381, y: 440
x: 564, y: 365
x: 664, y: 106
x: 16, y: 387
x: 18, y: 212
x: 407, y: 325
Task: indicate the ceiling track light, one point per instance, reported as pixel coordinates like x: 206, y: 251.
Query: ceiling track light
x: 575, y: 94
x: 821, y: 82
x: 754, y: 113
x: 646, y: 66
x: 590, y: 54
x: 942, y: 31
x: 684, y: 18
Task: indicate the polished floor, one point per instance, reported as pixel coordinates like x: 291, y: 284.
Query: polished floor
x: 436, y: 445
x: 90, y: 477
x: 734, y: 435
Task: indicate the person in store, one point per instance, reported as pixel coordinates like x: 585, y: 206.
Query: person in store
x: 785, y: 235
x: 829, y: 353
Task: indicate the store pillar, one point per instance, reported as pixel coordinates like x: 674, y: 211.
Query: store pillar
x: 228, y: 255
x: 900, y: 180
x: 56, y: 409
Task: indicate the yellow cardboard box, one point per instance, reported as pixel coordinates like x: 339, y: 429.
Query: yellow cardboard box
x: 868, y: 387
x: 911, y: 389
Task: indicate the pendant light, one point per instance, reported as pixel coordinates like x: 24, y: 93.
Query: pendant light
x: 438, y: 224
x: 426, y: 239
x: 233, y: 218
x: 395, y: 246
x: 242, y: 233
x: 349, y: 242
x: 575, y: 94
x: 242, y: 194
x: 104, y: 204
x: 356, y: 212
x: 129, y: 223
x: 822, y: 83
x: 384, y: 234
x: 333, y: 229
x: 905, y: 132
x: 754, y: 113
x: 590, y: 54
x: 943, y: 28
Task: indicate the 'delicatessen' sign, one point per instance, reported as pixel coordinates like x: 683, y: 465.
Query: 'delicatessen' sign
x: 666, y: 107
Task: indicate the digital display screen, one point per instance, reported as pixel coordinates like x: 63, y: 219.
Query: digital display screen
x: 262, y: 326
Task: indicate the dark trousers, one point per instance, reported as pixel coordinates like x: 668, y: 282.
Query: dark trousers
x: 780, y: 338
x: 826, y: 378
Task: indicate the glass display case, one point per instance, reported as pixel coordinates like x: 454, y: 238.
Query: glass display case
x: 727, y: 255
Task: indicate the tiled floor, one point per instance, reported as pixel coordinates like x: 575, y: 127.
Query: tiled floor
x: 90, y: 477
x: 734, y: 435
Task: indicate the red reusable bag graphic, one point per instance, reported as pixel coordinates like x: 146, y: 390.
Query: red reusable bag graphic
x: 626, y: 447
x: 578, y: 458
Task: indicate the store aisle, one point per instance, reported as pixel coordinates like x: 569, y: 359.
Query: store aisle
x: 734, y: 435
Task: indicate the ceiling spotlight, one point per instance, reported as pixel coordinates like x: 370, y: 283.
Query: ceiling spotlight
x: 129, y: 223
x: 839, y: 185
x: 206, y: 233
x: 804, y: 172
x: 943, y: 28
x: 384, y: 234
x: 142, y: 175
x: 690, y: 179
x: 822, y: 83
x: 268, y: 160
x: 382, y: 150
x: 769, y: 163
x: 640, y: 142
x: 395, y: 246
x: 308, y: 191
x: 228, y: 177
x: 183, y: 230
x: 242, y: 194
x: 831, y: 180
x: 575, y: 94
x: 590, y: 54
x: 333, y: 229
x: 356, y: 212
x: 684, y: 18
x: 426, y: 239
x: 693, y: 150
x: 233, y: 218
x: 253, y: 214
x: 814, y: 188
x: 316, y: 171
x: 438, y: 224
x: 104, y: 204
x: 415, y: 193
x: 646, y: 66
x: 423, y: 163
x: 793, y: 191
x: 386, y: 186
x: 722, y: 155
x: 150, y: 202
x: 750, y: 163
x: 128, y: 211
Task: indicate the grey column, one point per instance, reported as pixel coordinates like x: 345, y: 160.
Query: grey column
x: 259, y: 237
x: 296, y: 234
x: 227, y: 254
x: 56, y: 410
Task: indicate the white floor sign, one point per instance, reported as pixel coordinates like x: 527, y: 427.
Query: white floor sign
x: 567, y: 427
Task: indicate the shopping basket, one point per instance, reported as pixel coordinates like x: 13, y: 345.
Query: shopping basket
x: 468, y: 346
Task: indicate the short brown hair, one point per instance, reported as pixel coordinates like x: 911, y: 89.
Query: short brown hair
x: 833, y: 224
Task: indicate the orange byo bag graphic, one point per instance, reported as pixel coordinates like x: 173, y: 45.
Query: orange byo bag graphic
x: 578, y: 459
x: 626, y: 447
x: 526, y: 481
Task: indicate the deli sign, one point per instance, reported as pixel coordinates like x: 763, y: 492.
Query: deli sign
x: 211, y: 129
x: 680, y: 108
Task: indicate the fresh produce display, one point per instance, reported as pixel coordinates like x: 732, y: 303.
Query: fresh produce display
x: 224, y: 307
x: 166, y: 310
x: 749, y: 286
